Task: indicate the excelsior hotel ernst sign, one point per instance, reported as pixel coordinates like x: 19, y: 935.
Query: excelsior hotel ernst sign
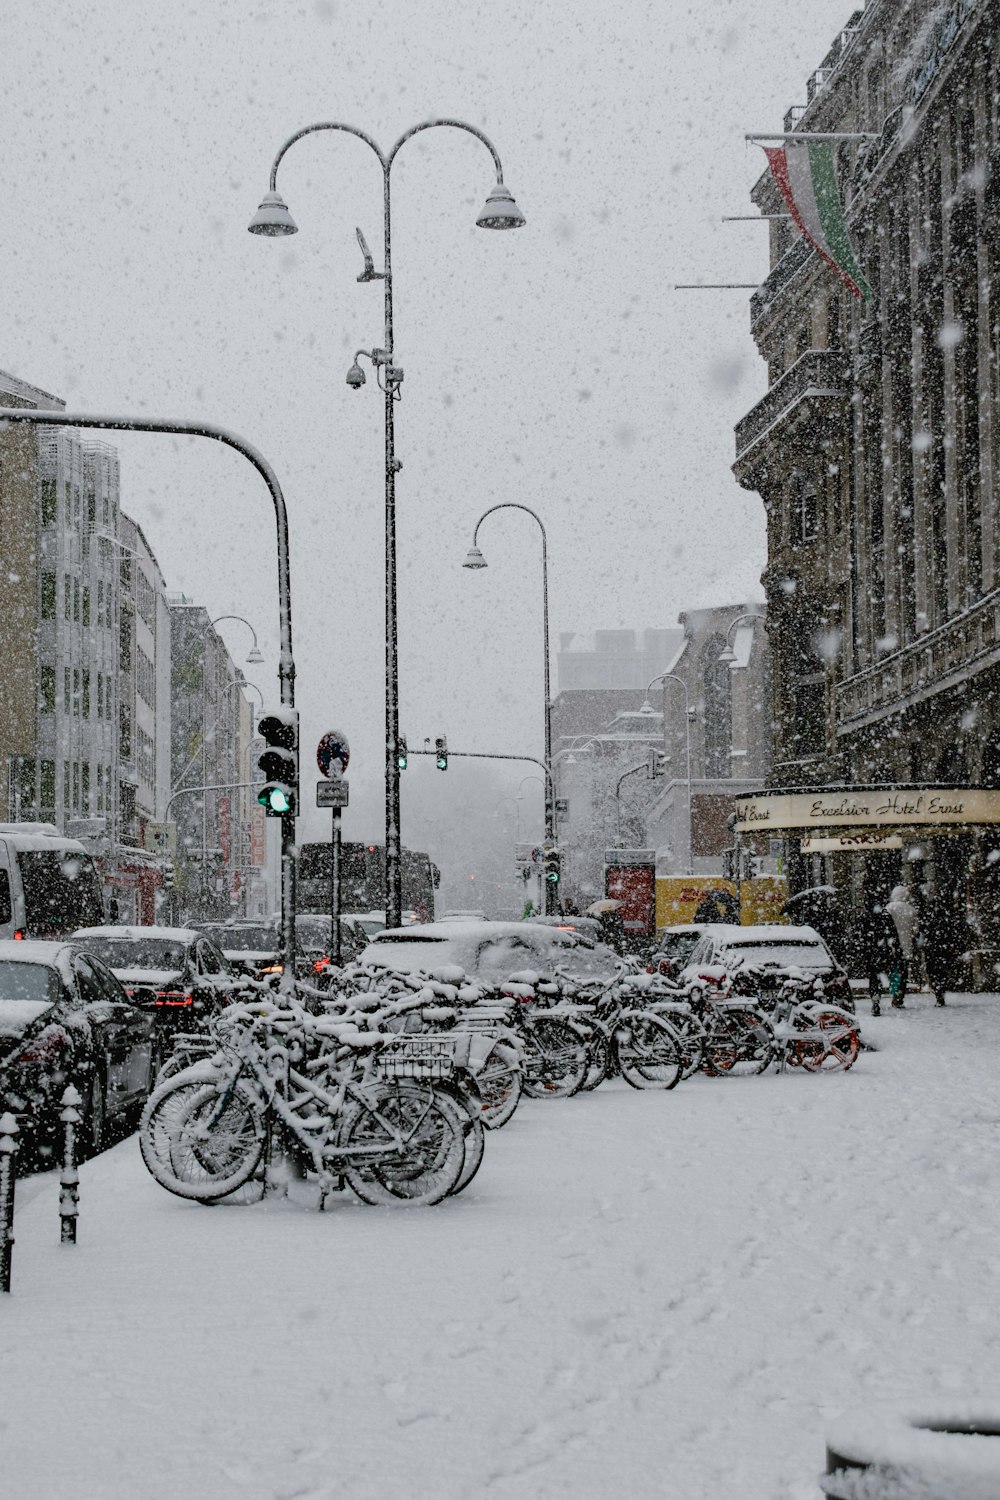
x: 881, y: 807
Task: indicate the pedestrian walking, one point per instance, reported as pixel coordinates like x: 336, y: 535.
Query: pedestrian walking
x: 904, y: 919
x: 876, y: 945
x: 944, y: 938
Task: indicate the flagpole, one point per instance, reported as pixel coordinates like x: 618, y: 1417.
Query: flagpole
x: 814, y: 135
x: 751, y: 218
x: 716, y: 286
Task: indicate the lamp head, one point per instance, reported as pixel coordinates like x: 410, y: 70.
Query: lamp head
x: 500, y: 211
x: 647, y: 708
x: 727, y: 656
x: 355, y: 377
x: 273, y: 218
x: 475, y: 559
x: 255, y: 657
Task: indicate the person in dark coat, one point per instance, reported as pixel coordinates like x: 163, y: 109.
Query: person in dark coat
x: 876, y: 944
x: 943, y: 940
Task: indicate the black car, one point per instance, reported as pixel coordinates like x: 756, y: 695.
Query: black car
x: 64, y: 1018
x: 250, y: 948
x: 178, y: 970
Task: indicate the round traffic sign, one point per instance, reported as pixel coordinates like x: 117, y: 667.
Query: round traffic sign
x: 333, y: 754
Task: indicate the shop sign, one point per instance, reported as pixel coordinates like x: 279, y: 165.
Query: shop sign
x: 861, y: 838
x: 878, y: 807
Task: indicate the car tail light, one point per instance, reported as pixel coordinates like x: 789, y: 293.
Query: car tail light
x: 19, y: 935
x: 320, y: 965
x: 173, y: 997
x: 47, y: 1047
x: 273, y: 969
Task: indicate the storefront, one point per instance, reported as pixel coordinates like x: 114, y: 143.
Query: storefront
x: 941, y: 842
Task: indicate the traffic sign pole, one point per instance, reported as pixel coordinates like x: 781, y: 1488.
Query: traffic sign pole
x: 333, y: 754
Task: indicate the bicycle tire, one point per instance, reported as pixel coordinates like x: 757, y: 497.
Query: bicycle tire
x: 500, y: 1082
x: 210, y: 1153
x: 839, y: 1049
x: 599, y: 1062
x: 475, y: 1146
x: 557, y: 1059
x: 649, y: 1052
x: 740, y: 1043
x: 161, y: 1108
x: 691, y: 1034
x: 429, y: 1168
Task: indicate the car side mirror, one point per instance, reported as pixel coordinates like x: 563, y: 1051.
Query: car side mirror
x: 143, y: 999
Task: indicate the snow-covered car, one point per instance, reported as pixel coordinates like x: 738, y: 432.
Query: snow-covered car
x: 65, y: 1018
x: 179, y: 970
x: 754, y: 959
x: 491, y: 951
x: 676, y: 945
x: 248, y: 947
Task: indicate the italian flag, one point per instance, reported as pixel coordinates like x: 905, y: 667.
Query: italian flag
x: 808, y: 184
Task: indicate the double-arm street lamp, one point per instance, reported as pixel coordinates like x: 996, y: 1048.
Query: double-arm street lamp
x: 647, y: 707
x: 273, y: 219
x: 475, y: 559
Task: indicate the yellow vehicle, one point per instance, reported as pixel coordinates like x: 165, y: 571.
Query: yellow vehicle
x: 682, y: 899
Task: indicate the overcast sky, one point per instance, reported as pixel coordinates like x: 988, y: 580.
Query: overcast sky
x: 555, y: 366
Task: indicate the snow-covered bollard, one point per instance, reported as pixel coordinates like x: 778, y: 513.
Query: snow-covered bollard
x: 895, y: 1453
x: 69, y: 1179
x: 8, y: 1172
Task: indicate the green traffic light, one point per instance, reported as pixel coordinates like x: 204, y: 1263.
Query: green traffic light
x: 401, y: 762
x: 275, y: 799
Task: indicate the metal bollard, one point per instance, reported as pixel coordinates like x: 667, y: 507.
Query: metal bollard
x: 8, y: 1174
x: 69, y: 1180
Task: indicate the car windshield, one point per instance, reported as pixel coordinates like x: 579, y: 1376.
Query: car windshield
x: 678, y: 945
x: 312, y: 931
x: 244, y: 939
x: 28, y: 982
x: 61, y: 891
x: 778, y: 951
x: 137, y: 953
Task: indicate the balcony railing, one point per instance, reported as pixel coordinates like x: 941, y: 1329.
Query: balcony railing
x: 819, y: 372
x: 790, y: 263
x: 937, y: 660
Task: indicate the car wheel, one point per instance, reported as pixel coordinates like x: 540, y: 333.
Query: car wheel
x: 95, y: 1117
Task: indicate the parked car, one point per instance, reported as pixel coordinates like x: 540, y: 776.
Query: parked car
x: 586, y: 927
x: 48, y: 884
x: 491, y: 951
x: 177, y: 970
x: 754, y: 959
x: 250, y: 948
x: 676, y: 945
x: 65, y: 1018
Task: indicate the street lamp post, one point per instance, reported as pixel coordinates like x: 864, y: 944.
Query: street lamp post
x: 727, y: 655
x: 273, y: 219
x: 666, y: 677
x: 476, y: 560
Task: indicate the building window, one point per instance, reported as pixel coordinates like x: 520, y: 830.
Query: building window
x: 47, y: 679
x: 76, y: 692
x: 100, y: 604
x: 85, y: 787
x: 48, y: 596
x: 804, y: 509
x: 76, y: 786
x: 67, y: 597
x: 48, y: 502
x: 100, y: 789
x: 86, y: 606
x: 107, y: 698
x: 76, y: 600
x: 100, y: 695
x: 66, y: 690
x: 125, y: 645
x: 68, y: 493
x: 85, y: 710
x: 125, y: 724
x: 66, y: 784
x: 91, y: 508
x: 47, y: 788
x: 26, y: 784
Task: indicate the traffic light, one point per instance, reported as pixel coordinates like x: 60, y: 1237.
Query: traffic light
x: 279, y: 763
x: 441, y: 751
x: 169, y: 875
x: 401, y: 752
x: 657, y: 763
x: 550, y: 866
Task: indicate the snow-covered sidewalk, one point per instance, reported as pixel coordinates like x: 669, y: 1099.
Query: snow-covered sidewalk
x: 640, y: 1295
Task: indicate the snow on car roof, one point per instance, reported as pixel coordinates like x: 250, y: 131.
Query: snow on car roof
x: 140, y: 934
x: 772, y: 932
x: 54, y: 955
x: 36, y: 838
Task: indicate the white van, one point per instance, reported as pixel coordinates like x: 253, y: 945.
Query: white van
x: 49, y: 885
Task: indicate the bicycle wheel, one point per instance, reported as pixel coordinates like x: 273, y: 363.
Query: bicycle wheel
x: 739, y: 1043
x: 557, y: 1059
x: 650, y: 1054
x: 214, y: 1143
x: 598, y: 1062
x: 691, y: 1034
x: 500, y: 1080
x: 162, y: 1110
x: 837, y: 1051
x: 418, y: 1136
x: 475, y: 1145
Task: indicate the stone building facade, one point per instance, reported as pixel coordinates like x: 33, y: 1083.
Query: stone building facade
x: 876, y: 449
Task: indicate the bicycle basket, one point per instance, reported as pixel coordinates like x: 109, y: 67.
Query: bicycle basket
x: 421, y: 1056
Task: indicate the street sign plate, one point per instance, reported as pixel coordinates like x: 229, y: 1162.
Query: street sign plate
x: 333, y: 754
x: 562, y: 807
x: 332, y: 793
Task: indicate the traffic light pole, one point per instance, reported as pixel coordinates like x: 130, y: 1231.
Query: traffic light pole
x: 286, y: 662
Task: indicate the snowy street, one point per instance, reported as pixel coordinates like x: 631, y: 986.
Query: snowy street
x: 641, y: 1294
